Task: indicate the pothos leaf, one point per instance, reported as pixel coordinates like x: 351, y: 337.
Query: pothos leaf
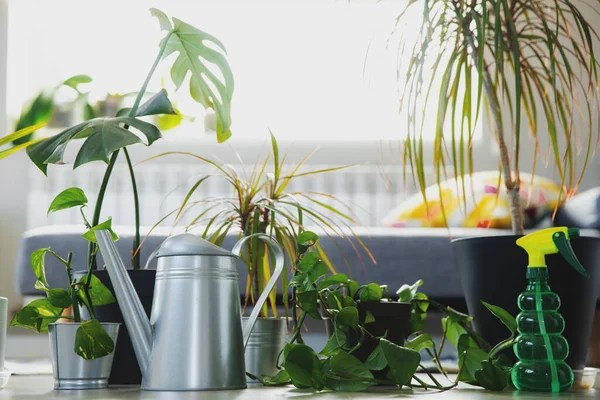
x: 303, y: 366
x: 492, y: 376
x: 99, y: 293
x: 371, y: 293
x: 37, y: 264
x: 37, y: 315
x: 351, y: 375
x: 102, y: 137
x: 90, y: 235
x: 503, y: 315
x: 195, y: 57
x: 59, y: 298
x: 92, y: 341
x: 403, y: 362
x: 68, y: 198
x: 376, y: 360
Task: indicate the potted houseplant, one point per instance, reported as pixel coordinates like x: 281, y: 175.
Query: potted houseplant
x: 526, y: 60
x: 377, y: 340
x: 105, y: 138
x: 43, y: 108
x: 261, y: 203
x: 16, y: 136
x: 82, y: 350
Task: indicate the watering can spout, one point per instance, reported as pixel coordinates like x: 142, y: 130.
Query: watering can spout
x: 135, y: 317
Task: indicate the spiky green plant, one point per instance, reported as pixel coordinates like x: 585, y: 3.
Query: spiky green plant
x: 261, y: 203
x: 531, y: 58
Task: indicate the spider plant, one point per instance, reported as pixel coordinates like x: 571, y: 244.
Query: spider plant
x: 531, y: 58
x: 261, y: 202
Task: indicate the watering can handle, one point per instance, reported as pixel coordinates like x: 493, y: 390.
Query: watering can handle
x: 279, y: 261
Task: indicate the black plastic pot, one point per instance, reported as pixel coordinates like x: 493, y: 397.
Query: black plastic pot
x: 493, y: 269
x: 125, y: 369
x: 391, y: 318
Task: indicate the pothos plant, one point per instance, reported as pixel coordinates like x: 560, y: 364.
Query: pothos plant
x: 262, y: 202
x: 91, y: 340
x: 337, y: 365
x: 104, y: 138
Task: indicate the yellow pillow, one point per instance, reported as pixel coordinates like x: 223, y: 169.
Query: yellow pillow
x: 478, y: 205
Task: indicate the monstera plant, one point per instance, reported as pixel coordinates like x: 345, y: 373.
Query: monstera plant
x: 104, y: 138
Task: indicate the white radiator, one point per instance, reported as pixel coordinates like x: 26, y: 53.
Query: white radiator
x: 370, y: 191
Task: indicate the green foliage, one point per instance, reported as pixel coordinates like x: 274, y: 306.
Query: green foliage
x: 37, y: 315
x: 196, y: 57
x: 336, y: 366
x: 102, y: 137
x: 21, y: 133
x: 91, y: 339
x: 533, y: 60
x: 261, y: 203
x: 68, y: 198
x: 90, y: 234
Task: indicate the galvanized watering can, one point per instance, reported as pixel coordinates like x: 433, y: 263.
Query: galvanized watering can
x: 194, y: 339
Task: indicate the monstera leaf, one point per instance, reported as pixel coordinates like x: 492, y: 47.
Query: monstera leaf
x: 197, y: 58
x: 102, y: 137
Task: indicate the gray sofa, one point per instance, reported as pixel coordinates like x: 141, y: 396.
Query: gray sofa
x: 402, y: 256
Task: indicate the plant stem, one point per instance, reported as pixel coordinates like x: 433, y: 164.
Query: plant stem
x: 138, y: 99
x: 98, y: 207
x: 72, y: 289
x: 135, y: 260
x: 512, y: 185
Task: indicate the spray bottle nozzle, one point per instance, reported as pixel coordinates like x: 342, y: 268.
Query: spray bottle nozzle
x: 551, y: 241
x: 572, y: 232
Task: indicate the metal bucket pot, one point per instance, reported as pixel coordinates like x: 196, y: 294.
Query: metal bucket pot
x: 267, y: 339
x: 70, y: 370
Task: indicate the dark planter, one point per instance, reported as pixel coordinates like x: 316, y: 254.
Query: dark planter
x: 390, y: 317
x: 493, y: 269
x: 125, y: 369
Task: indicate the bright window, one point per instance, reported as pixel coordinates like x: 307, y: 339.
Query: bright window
x: 306, y: 69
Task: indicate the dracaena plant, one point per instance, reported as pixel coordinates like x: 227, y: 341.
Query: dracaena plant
x: 91, y: 340
x: 104, y: 138
x: 341, y: 365
x: 261, y: 202
x: 21, y: 133
x: 532, y: 59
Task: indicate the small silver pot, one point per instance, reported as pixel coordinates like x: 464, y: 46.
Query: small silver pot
x: 69, y: 369
x: 266, y: 342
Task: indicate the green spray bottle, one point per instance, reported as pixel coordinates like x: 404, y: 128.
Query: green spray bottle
x: 540, y: 347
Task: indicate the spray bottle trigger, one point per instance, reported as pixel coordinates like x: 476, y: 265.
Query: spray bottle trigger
x: 564, y: 248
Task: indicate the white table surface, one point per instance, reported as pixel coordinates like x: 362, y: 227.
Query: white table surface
x: 41, y: 387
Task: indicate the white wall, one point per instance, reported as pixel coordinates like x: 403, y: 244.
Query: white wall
x: 13, y: 184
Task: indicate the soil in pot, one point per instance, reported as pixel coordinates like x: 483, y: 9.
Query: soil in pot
x: 493, y: 270
x: 126, y: 370
x: 390, y: 317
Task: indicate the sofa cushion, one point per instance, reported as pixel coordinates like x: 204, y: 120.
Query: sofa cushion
x: 482, y: 204
x: 582, y: 210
